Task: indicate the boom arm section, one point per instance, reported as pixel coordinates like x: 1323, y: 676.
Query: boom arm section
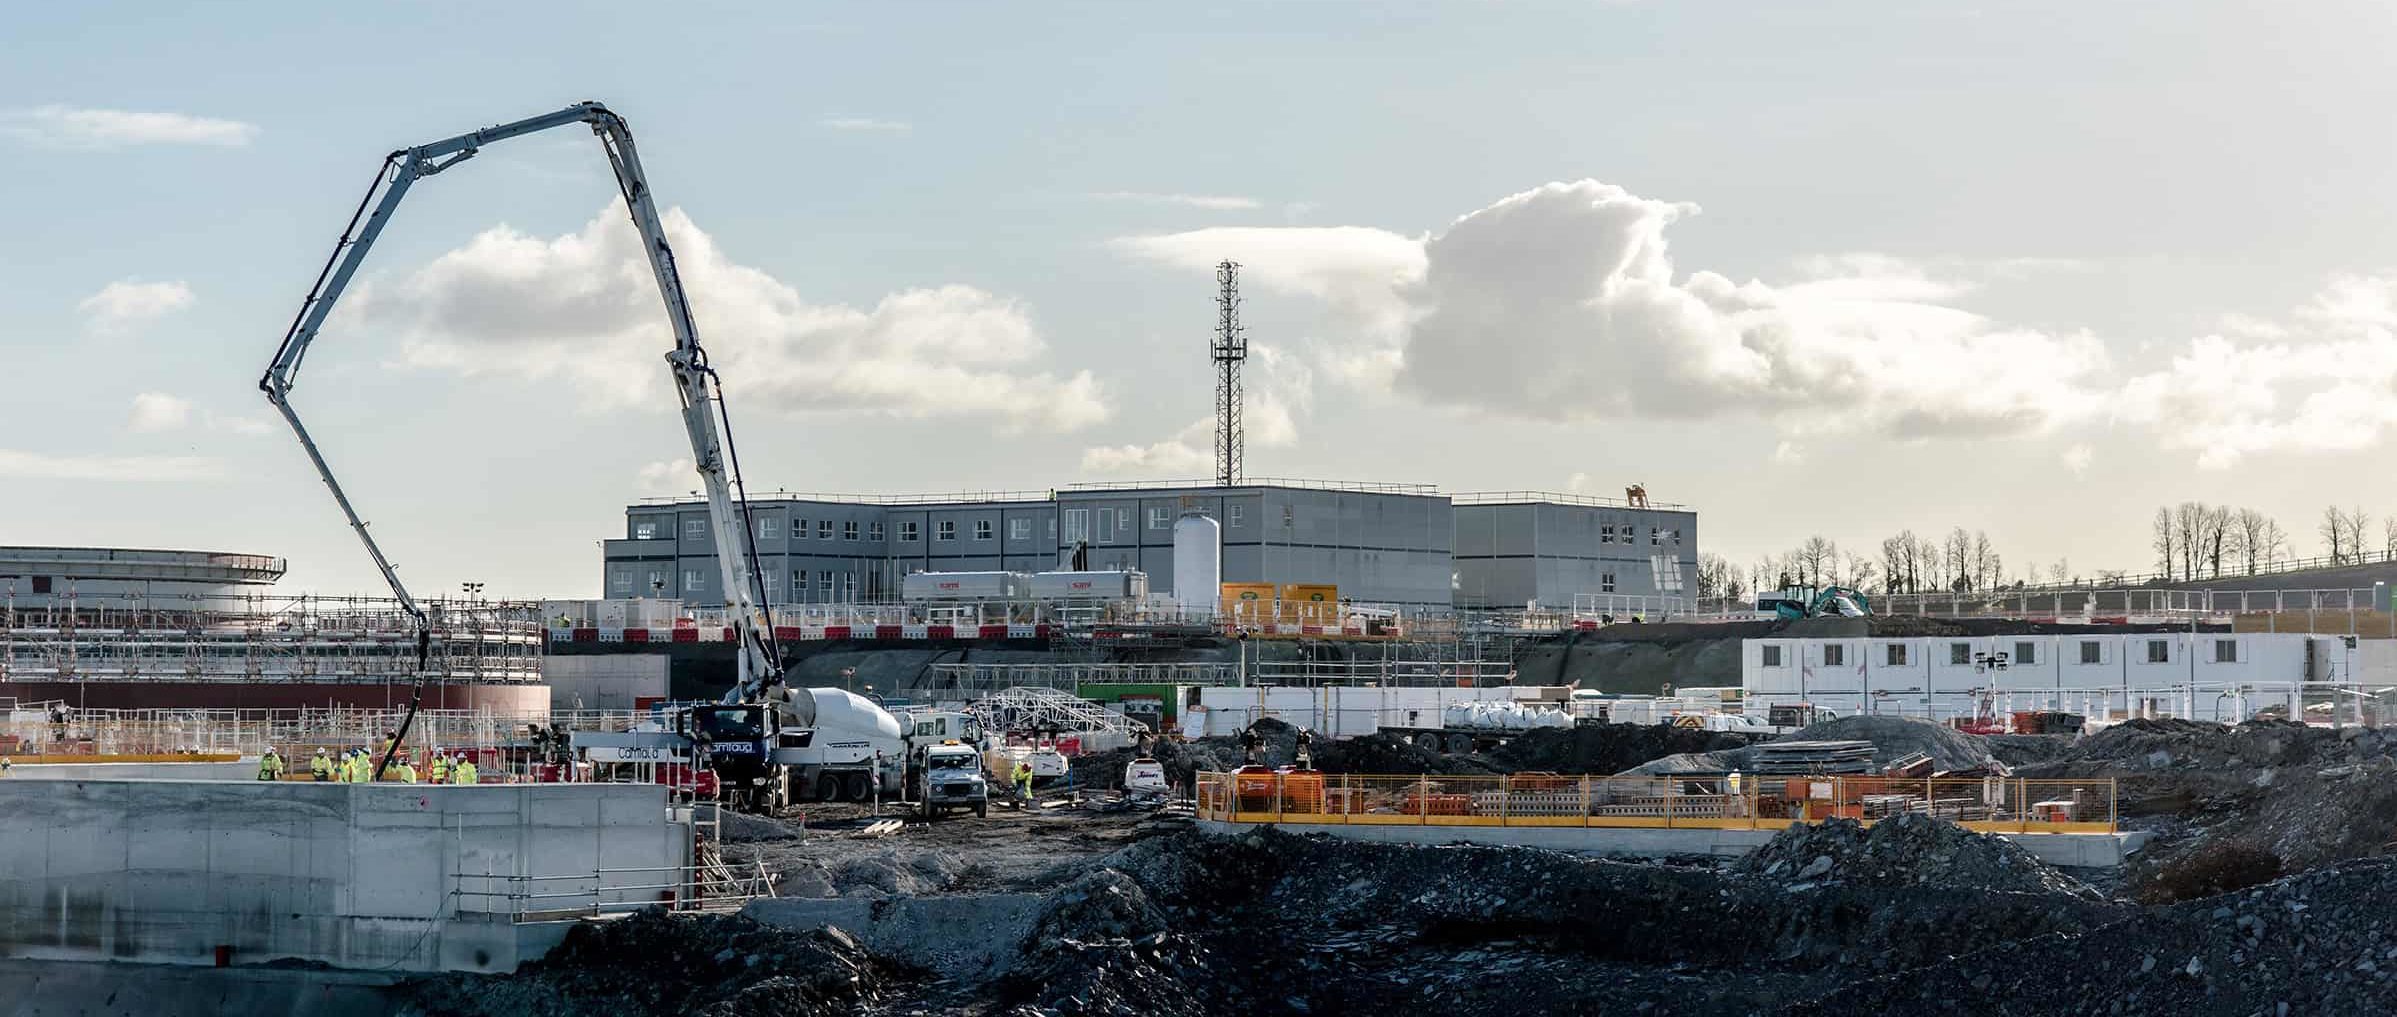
x: 704, y: 419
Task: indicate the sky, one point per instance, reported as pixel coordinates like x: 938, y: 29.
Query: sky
x: 1841, y: 268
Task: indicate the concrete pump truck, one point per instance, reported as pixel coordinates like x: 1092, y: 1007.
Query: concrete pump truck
x: 739, y: 737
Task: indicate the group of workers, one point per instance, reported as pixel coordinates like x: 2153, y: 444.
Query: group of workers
x: 357, y: 766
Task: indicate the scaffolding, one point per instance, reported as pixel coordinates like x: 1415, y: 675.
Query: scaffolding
x: 259, y: 638
x: 1052, y: 712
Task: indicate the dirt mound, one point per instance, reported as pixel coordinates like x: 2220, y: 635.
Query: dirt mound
x: 1908, y: 850
x: 656, y: 963
x: 744, y: 828
x: 2144, y: 744
x: 1605, y: 748
x: 2318, y: 943
x: 1101, y: 947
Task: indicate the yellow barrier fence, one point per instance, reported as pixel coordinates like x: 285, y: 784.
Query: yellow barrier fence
x: 1987, y: 804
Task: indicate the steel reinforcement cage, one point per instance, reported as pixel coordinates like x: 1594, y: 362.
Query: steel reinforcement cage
x: 1985, y: 804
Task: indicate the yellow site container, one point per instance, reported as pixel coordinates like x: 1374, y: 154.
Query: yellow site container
x: 1248, y: 603
x: 1310, y: 604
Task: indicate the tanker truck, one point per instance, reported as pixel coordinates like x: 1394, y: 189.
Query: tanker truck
x: 797, y: 745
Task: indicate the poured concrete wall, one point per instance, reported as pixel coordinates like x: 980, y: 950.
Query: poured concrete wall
x: 355, y: 876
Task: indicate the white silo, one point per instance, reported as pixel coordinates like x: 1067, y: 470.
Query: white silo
x: 1198, y: 563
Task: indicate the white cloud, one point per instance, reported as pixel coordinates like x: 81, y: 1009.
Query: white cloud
x: 158, y: 411
x: 74, y: 127
x: 2077, y: 457
x: 1210, y: 202
x: 1280, y: 395
x: 1561, y: 303
x: 868, y: 124
x: 668, y: 476
x: 40, y: 466
x: 1789, y: 453
x: 584, y: 307
x: 127, y: 303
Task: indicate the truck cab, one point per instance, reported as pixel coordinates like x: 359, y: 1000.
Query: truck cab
x: 951, y: 778
x: 734, y: 740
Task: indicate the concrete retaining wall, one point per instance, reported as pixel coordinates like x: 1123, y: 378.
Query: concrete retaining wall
x: 354, y: 876
x: 2095, y: 850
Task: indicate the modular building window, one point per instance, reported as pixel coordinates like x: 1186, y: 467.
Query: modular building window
x: 2089, y: 651
x: 2226, y: 651
x: 1771, y: 656
x: 907, y: 529
x: 1895, y: 655
x: 1019, y: 528
x: 1960, y: 653
x: 874, y: 530
x: 2026, y: 653
x: 849, y: 530
x: 694, y: 528
x: 645, y: 531
x: 823, y: 529
x: 798, y: 529
x: 1077, y: 525
x: 769, y: 529
x: 982, y: 529
x: 2158, y: 651
x: 946, y: 531
x: 1160, y: 517
x: 1606, y: 582
x: 1835, y: 655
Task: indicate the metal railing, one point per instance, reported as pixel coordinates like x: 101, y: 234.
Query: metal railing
x: 1390, y: 672
x: 973, y: 677
x: 1986, y: 804
x: 1559, y: 498
x: 613, y: 891
x: 1358, y: 486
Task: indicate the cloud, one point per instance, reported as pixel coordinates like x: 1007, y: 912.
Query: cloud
x: 868, y: 124
x: 1280, y: 396
x: 1562, y: 303
x: 126, y: 303
x: 39, y: 466
x: 1789, y: 453
x: 1210, y: 202
x: 2077, y: 457
x: 2325, y: 381
x: 158, y: 411
x: 583, y: 307
x: 74, y: 127
x: 668, y: 476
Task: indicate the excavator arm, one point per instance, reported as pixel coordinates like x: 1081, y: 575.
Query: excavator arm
x: 704, y: 419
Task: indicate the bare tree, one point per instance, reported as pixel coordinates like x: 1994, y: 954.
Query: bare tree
x: 2188, y: 528
x: 1959, y: 553
x: 2213, y: 536
x: 1896, y: 556
x: 2165, y: 543
x: 1714, y: 575
x: 1814, y: 559
x: 2248, y: 538
x: 2057, y: 572
x: 2388, y: 537
x: 2333, y: 531
x: 1989, y: 571
x: 1859, y: 570
x: 2357, y: 524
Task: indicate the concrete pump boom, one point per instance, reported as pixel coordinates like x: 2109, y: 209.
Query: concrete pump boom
x: 704, y: 418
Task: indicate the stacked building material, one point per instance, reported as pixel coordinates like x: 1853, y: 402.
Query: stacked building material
x: 1823, y: 757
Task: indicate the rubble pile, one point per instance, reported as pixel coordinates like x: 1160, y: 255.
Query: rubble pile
x: 1893, y: 738
x: 656, y: 963
x: 747, y: 828
x: 1374, y: 753
x: 2317, y: 943
x: 1101, y: 947
x: 1606, y: 748
x: 2148, y: 745
x: 1907, y: 850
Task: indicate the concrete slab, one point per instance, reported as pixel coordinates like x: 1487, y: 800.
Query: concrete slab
x: 48, y: 988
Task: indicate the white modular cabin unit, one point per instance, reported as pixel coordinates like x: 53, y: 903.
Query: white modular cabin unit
x: 1109, y: 585
x: 2224, y: 676
x: 924, y: 586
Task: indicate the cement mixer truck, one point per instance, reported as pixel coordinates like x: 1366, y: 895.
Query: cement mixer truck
x: 795, y: 745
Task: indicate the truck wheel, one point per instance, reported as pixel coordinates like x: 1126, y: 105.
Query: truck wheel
x: 1427, y: 741
x: 982, y: 810
x: 1460, y: 744
x: 828, y: 787
x: 859, y: 786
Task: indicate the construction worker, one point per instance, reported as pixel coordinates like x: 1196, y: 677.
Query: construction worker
x: 383, y: 745
x: 1023, y: 779
x: 440, y: 768
x: 403, y: 771
x: 463, y: 771
x: 270, y: 765
x: 362, y: 767
x: 5, y: 766
x: 321, y: 767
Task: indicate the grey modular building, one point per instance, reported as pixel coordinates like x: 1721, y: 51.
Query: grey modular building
x: 1381, y: 543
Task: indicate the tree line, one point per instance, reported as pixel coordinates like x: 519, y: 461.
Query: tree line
x: 2192, y: 541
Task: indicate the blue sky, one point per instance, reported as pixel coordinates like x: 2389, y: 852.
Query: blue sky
x: 1971, y: 256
